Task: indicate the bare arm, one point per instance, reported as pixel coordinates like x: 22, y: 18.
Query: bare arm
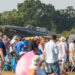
x: 22, y: 49
x: 56, y: 50
x: 1, y: 53
x: 41, y: 48
x: 57, y: 53
x: 25, y: 46
x: 31, y: 72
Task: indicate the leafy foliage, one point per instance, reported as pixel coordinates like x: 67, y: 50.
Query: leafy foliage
x: 35, y: 13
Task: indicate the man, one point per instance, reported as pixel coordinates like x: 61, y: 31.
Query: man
x: 51, y: 56
x: 34, y: 45
x: 72, y: 51
x: 63, y: 49
x: 2, y: 51
x: 25, y: 43
x: 19, y: 47
x: 13, y: 43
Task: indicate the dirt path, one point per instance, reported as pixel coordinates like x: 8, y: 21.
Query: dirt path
x: 7, y: 73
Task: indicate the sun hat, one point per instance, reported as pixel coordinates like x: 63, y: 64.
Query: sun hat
x: 62, y: 38
x: 36, y: 60
x: 36, y: 37
x: 5, y: 37
x: 15, y: 37
x: 21, y: 53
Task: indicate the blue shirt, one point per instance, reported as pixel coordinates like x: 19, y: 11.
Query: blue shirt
x: 39, y: 51
x: 3, y: 47
x: 19, y: 47
x: 25, y: 43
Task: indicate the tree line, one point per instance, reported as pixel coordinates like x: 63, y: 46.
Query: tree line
x: 36, y: 13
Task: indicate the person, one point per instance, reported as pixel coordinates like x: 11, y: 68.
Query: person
x: 6, y: 42
x: 7, y: 64
x: 44, y: 64
x: 67, y: 46
x: 72, y: 51
x: 33, y: 44
x: 35, y: 67
x: 2, y: 51
x: 13, y: 43
x: 51, y: 56
x: 41, y: 46
x: 24, y: 63
x: 62, y: 46
x: 19, y: 47
x: 25, y: 43
x: 21, y: 54
x: 63, y: 70
x: 37, y: 41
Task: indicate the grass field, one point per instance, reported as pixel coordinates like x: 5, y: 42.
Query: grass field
x: 10, y: 73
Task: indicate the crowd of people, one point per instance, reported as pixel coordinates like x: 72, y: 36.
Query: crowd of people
x: 37, y: 57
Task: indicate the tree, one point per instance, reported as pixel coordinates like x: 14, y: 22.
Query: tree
x: 36, y: 13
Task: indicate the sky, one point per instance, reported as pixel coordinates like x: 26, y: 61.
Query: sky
x: 8, y: 5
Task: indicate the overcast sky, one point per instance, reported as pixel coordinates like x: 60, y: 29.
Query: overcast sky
x: 6, y: 5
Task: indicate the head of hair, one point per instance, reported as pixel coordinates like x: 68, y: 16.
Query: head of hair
x: 42, y: 38
x: 19, y: 39
x: 22, y: 37
x: 53, y: 37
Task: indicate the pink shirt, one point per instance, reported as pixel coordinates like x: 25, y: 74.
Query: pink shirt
x: 24, y: 64
x: 6, y: 43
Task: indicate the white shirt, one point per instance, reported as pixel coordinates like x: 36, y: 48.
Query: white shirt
x: 14, y: 42
x: 62, y: 51
x: 51, y: 51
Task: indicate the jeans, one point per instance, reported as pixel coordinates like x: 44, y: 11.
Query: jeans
x: 53, y: 68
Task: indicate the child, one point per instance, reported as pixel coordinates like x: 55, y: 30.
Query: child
x: 35, y: 68
x: 44, y: 65
x: 7, y: 64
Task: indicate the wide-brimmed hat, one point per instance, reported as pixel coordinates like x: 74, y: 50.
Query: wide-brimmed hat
x: 36, y: 60
x: 36, y: 37
x: 62, y: 38
x: 15, y: 37
x: 21, y: 53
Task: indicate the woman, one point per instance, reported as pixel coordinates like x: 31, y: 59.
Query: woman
x: 24, y: 63
x: 72, y: 51
x: 6, y: 41
x: 41, y: 46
